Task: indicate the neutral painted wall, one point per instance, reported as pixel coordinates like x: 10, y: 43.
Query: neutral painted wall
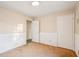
x: 48, y: 29
x: 47, y: 23
x: 77, y: 29
x: 12, y: 29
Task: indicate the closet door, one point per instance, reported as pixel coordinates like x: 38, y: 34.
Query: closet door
x: 66, y: 31
x: 35, y: 31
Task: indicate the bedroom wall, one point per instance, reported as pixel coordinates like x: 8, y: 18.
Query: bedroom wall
x: 48, y: 27
x: 48, y: 23
x: 77, y: 29
x: 12, y: 29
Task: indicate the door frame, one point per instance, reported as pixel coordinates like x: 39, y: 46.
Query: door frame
x: 27, y: 29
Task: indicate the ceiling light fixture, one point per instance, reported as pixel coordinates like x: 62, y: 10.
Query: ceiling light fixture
x: 35, y: 3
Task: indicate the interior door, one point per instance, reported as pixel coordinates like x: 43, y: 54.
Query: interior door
x: 35, y: 31
x: 66, y: 31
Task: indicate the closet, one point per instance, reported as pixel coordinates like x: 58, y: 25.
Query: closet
x: 65, y: 28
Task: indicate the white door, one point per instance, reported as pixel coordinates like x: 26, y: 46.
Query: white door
x: 66, y: 31
x: 35, y: 31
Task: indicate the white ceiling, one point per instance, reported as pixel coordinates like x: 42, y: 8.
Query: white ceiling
x: 44, y: 8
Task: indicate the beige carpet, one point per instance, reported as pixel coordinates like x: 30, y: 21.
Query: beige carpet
x: 38, y: 50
